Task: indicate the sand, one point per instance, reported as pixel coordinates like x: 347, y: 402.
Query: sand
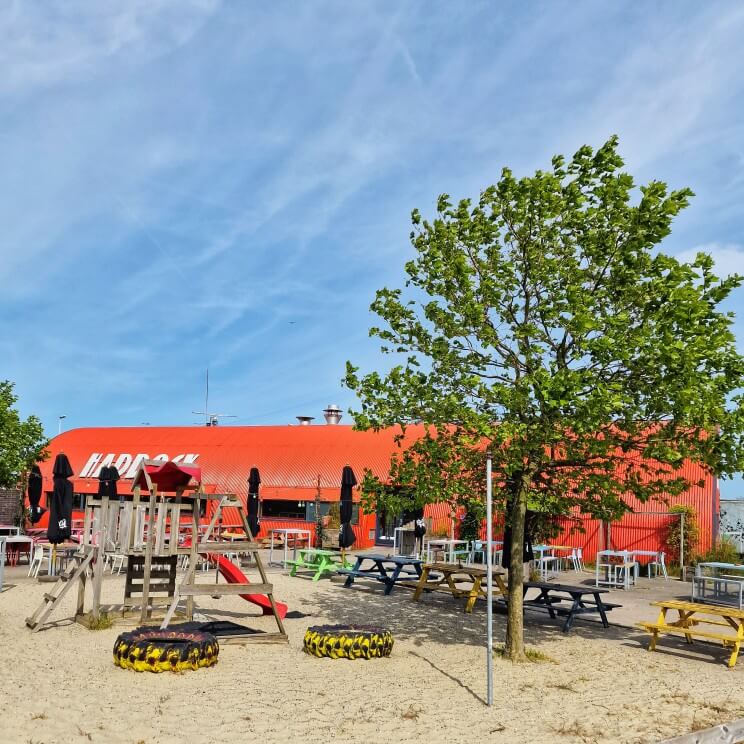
x: 60, y: 685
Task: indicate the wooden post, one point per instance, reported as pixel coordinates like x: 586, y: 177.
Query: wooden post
x: 148, y: 558
x: 193, y: 560
x: 133, y: 522
x: 175, y: 525
x: 98, y: 565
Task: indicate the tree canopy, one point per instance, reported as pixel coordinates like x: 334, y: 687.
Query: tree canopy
x: 22, y: 443
x: 543, y: 323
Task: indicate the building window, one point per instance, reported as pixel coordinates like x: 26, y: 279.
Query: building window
x: 78, y: 501
x: 325, y: 507
x: 283, y: 509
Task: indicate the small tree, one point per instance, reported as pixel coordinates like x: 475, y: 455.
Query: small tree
x: 22, y: 443
x: 543, y: 323
x: 319, y: 532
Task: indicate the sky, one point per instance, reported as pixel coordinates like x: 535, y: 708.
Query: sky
x: 193, y: 184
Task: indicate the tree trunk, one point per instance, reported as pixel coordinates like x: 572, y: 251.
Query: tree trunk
x: 514, y: 648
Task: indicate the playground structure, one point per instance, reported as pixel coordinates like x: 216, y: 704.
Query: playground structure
x: 152, y: 527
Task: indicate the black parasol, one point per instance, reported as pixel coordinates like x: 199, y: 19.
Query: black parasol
x: 34, y: 494
x: 107, y: 482
x: 254, y: 481
x: 60, y: 514
x: 346, y: 537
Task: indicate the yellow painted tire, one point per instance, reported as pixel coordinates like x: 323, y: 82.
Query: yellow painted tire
x: 151, y: 649
x: 348, y: 641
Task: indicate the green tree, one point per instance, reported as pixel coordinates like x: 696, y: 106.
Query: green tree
x: 22, y: 443
x: 544, y: 324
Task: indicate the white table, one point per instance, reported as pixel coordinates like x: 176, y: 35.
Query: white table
x: 287, y: 532
x: 447, y: 545
x: 9, y: 530
x: 19, y: 540
x: 613, y: 576
x: 715, y: 583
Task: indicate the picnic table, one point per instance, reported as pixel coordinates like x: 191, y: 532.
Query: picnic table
x: 386, y: 569
x: 15, y: 545
x: 554, y: 598
x: 692, y: 614
x: 319, y: 561
x: 449, y: 577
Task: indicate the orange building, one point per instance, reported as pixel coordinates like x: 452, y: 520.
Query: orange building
x: 293, y: 460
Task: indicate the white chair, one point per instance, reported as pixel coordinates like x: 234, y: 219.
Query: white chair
x: 577, y: 560
x: 38, y: 557
x: 111, y: 559
x: 477, y: 547
x: 115, y: 562
x: 658, y: 565
x: 627, y: 572
x: 580, y: 559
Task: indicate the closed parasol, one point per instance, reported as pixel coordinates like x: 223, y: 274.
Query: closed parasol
x: 60, y: 516
x: 107, y: 482
x: 254, y: 482
x: 346, y: 536
x: 34, y: 494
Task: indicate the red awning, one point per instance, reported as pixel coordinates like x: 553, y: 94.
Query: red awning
x: 167, y: 476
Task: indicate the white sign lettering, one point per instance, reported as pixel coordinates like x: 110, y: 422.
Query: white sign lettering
x: 126, y: 464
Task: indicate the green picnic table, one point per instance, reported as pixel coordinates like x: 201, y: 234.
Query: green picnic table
x: 320, y: 561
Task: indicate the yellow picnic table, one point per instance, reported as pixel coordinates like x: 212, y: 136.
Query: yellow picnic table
x: 447, y: 576
x: 693, y: 614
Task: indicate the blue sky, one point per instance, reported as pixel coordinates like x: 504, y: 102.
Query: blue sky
x: 192, y: 184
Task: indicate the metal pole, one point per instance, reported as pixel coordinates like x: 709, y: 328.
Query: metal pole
x: 489, y: 583
x: 682, y: 546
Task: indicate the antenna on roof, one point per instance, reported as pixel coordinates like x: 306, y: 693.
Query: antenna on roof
x: 210, y: 419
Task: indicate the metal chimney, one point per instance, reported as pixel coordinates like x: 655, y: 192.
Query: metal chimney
x: 305, y: 420
x: 332, y: 414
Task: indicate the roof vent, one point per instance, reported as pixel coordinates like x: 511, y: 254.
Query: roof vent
x: 332, y: 414
x: 305, y: 420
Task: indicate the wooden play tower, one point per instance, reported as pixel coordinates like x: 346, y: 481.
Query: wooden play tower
x: 151, y: 528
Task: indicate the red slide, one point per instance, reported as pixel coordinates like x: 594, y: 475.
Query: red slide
x: 233, y: 575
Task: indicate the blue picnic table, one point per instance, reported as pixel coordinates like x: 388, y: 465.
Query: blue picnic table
x: 387, y: 569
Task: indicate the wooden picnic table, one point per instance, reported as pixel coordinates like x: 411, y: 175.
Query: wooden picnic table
x: 319, y: 561
x: 692, y: 614
x: 386, y: 569
x: 553, y: 598
x: 449, y: 577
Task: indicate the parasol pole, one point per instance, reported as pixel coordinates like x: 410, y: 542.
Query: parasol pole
x: 489, y: 583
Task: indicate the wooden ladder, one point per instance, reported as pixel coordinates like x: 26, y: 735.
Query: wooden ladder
x: 189, y: 589
x: 67, y: 578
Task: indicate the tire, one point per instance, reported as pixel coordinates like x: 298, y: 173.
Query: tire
x: 151, y: 649
x: 348, y: 641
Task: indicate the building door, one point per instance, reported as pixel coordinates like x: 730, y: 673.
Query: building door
x: 385, y: 528
x: 387, y: 523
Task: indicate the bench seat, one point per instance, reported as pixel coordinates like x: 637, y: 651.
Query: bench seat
x: 690, y: 630
x: 557, y: 604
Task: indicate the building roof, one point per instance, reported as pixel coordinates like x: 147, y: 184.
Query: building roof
x: 289, y: 458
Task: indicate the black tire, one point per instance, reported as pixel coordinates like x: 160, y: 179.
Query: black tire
x: 151, y: 649
x: 348, y: 641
